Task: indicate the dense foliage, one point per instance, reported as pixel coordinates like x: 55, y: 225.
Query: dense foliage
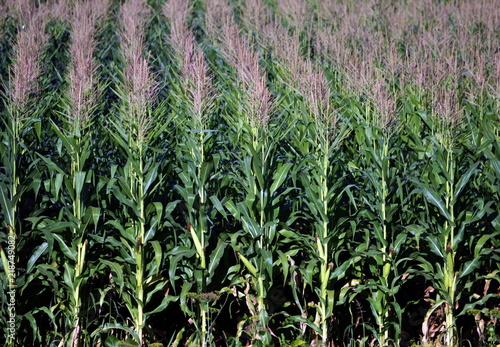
x: 250, y: 172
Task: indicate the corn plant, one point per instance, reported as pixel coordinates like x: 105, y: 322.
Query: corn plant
x: 382, y: 243
x: 259, y: 175
x: 313, y: 142
x: 135, y: 184
x: 316, y: 140
x: 198, y: 159
x: 260, y: 178
x: 451, y: 230
x: 73, y: 184
x: 196, y: 170
x: 380, y: 199
x: 18, y: 129
x: 19, y: 117
x: 257, y: 172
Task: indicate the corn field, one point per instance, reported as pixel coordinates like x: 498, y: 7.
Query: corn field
x: 250, y: 173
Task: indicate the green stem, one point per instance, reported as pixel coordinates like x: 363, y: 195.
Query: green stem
x: 263, y: 173
x: 201, y: 212
x: 261, y: 309
x: 450, y: 278
x: 323, y: 246
x: 140, y: 248
x: 140, y: 293
x: 203, y: 324
x: 77, y: 168
x: 82, y: 249
x: 387, y: 265
x: 15, y: 141
x: 14, y: 181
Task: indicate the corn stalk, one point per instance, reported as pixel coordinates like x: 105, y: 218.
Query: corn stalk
x: 453, y: 214
x: 198, y: 163
x: 381, y: 200
x: 316, y: 140
x: 135, y: 187
x: 258, y: 181
x: 73, y: 184
x: 19, y: 123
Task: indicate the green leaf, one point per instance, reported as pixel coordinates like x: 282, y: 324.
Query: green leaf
x: 463, y: 181
x: 218, y: 206
x: 167, y: 299
x: 6, y: 204
x: 96, y: 214
x: 69, y: 252
x: 186, y: 286
x: 248, y: 265
x: 38, y: 252
x: 215, y: 258
x: 306, y: 322
x: 150, y: 178
x: 132, y: 332
x: 69, y: 278
x: 474, y: 304
x: 65, y: 140
x: 112, y: 341
x: 118, y: 193
x: 126, y: 233
x: 79, y: 181
x: 158, y: 255
x: 400, y: 239
x: 479, y: 247
x: 155, y: 219
x: 58, y: 181
x: 470, y: 266
x: 197, y: 239
x: 435, y: 246
x: 340, y: 271
x: 51, y: 165
x: 279, y: 177
x: 435, y: 199
x: 117, y: 270
x: 495, y: 164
